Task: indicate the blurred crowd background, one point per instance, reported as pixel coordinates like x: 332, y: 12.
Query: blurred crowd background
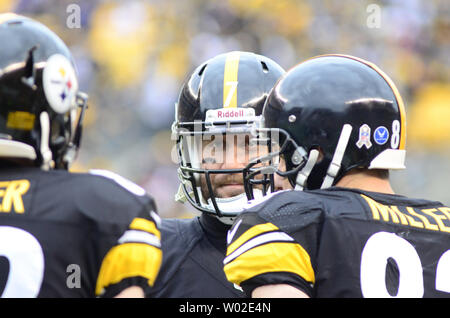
x: 133, y: 56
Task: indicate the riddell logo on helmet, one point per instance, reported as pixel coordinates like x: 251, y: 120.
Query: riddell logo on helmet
x: 230, y: 113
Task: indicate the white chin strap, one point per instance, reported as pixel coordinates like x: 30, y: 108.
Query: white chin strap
x: 47, y: 161
x: 335, y: 164
x: 233, y: 205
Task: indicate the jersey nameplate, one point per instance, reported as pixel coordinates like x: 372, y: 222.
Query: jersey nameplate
x: 11, y: 193
x: 434, y: 219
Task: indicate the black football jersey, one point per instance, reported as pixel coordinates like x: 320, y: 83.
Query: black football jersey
x: 193, y: 251
x: 75, y: 235
x: 343, y: 243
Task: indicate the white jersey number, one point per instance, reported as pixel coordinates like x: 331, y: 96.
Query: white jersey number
x: 383, y: 245
x: 26, y: 262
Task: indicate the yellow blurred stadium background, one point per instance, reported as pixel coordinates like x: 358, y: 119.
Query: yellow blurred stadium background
x: 133, y: 56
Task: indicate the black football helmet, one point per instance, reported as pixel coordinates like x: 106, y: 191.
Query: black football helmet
x: 224, y: 95
x: 331, y: 114
x: 39, y: 97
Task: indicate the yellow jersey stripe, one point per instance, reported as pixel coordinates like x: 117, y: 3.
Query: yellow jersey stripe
x: 249, y: 234
x: 137, y: 236
x: 145, y: 225
x: 271, y: 257
x: 230, y: 80
x: 126, y: 261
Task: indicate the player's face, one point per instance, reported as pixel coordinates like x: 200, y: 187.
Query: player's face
x: 228, y: 152
x: 233, y: 152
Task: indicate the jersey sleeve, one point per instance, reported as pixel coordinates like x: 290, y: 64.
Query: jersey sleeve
x: 135, y: 259
x: 129, y: 228
x: 265, y: 247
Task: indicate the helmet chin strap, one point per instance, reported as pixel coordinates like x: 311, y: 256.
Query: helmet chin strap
x: 304, y: 173
x: 232, y: 205
x: 335, y: 164
x: 47, y: 160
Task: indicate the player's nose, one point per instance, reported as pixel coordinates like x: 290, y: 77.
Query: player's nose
x: 235, y: 158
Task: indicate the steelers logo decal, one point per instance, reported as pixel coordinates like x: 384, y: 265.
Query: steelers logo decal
x: 60, y: 83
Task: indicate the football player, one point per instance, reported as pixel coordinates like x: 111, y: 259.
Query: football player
x: 217, y: 107
x: 61, y: 234
x: 342, y: 127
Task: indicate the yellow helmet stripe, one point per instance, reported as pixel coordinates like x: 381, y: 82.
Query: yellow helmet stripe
x: 230, y: 80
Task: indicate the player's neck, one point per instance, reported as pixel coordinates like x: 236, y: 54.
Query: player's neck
x: 366, y: 181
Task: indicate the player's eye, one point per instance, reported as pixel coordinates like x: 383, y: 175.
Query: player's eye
x: 209, y: 160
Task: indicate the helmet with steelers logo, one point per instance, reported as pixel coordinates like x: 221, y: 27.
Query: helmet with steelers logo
x: 41, y: 108
x: 222, y: 99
